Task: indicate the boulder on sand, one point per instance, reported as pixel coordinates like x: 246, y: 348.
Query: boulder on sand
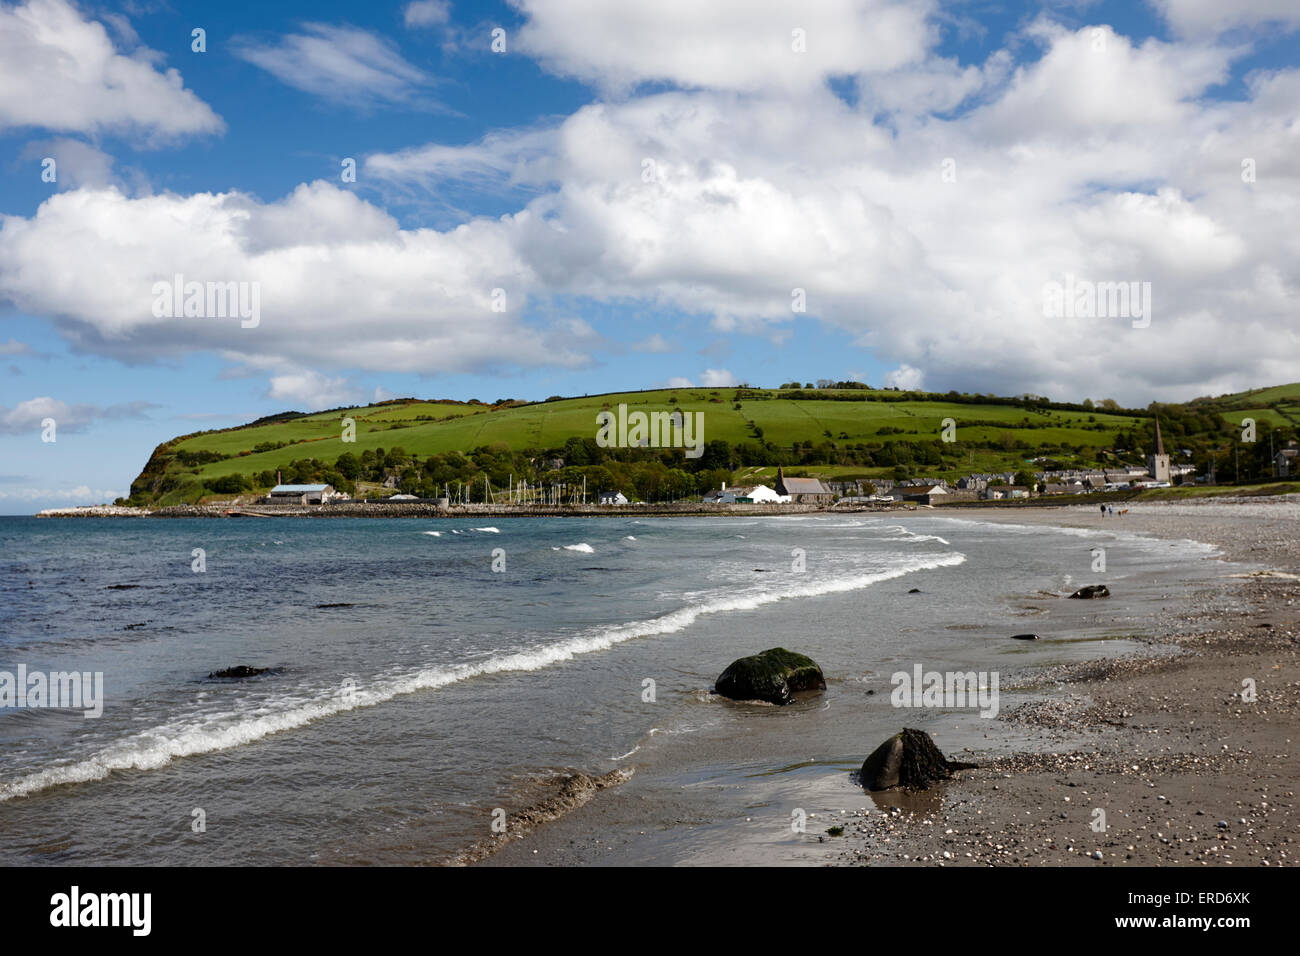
x: 908, y: 759
x: 237, y: 673
x: 1092, y: 591
x: 773, y: 676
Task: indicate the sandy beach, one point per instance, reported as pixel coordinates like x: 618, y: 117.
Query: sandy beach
x: 1185, y: 765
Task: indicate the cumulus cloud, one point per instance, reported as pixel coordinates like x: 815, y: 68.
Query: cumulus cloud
x: 905, y: 377
x: 61, y: 71
x: 928, y: 237
x: 718, y: 378
x: 341, y: 64
x: 313, y: 390
x: 340, y: 284
x: 28, y: 416
x: 931, y: 242
x: 76, y: 163
x: 1213, y: 17
x: 723, y: 44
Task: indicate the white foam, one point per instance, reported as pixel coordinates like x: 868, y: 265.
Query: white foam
x: 584, y: 548
x: 436, y: 534
x: 629, y: 538
x: 190, y: 736
x: 489, y: 530
x: 899, y: 533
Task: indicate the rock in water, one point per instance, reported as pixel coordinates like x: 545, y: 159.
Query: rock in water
x: 773, y: 676
x: 1024, y: 637
x: 909, y: 759
x: 237, y: 673
x: 1092, y: 591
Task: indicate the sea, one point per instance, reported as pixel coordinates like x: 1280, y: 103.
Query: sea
x: 425, y: 678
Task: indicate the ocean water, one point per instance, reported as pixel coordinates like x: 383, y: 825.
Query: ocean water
x: 438, y: 689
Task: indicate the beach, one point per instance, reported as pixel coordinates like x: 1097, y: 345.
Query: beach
x: 537, y: 691
x: 1184, y: 770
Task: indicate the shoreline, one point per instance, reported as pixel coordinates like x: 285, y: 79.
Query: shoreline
x: 428, y: 509
x: 1161, y: 741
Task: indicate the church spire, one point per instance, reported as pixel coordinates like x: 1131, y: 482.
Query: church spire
x: 1160, y: 442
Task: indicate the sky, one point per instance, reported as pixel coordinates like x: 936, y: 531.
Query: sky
x: 448, y: 199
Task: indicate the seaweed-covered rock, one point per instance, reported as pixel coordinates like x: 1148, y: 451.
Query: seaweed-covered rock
x: 908, y: 759
x: 773, y: 676
x: 1092, y: 591
x: 237, y: 673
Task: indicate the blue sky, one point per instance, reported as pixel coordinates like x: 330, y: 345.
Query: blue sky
x: 648, y: 188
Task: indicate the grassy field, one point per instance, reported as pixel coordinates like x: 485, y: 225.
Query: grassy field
x: 550, y: 424
x: 991, y: 436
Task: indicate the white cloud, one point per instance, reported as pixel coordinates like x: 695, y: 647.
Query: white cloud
x: 341, y: 285
x: 905, y: 377
x: 511, y: 157
x: 313, y: 390
x: 1212, y: 17
x: 427, y: 13
x: 77, y: 163
x: 679, y: 382
x: 27, y: 417
x: 60, y: 71
x: 1107, y: 164
x: 82, y: 494
x: 718, y: 378
x: 723, y: 44
x: 655, y: 344
x: 341, y: 64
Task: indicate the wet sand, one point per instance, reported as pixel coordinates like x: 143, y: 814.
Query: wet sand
x: 1185, y: 771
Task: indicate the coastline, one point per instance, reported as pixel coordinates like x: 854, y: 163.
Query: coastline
x: 1185, y: 770
x: 429, y: 508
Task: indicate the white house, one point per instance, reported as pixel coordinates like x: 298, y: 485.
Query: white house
x: 612, y: 498
x: 997, y: 492
x: 745, y: 494
x: 303, y: 494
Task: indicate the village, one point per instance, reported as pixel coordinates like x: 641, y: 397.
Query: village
x: 786, y: 491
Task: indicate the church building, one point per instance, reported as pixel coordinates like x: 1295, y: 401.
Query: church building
x: 1158, y: 461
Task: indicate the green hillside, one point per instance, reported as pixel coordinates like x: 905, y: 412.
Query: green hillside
x: 429, y: 446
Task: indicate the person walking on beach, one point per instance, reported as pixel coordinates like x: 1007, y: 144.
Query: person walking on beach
x: 1103, y: 511
x: 1112, y: 511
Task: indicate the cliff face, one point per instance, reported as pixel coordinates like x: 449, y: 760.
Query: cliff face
x: 149, y: 484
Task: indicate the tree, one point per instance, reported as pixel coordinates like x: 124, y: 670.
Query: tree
x: 348, y: 466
